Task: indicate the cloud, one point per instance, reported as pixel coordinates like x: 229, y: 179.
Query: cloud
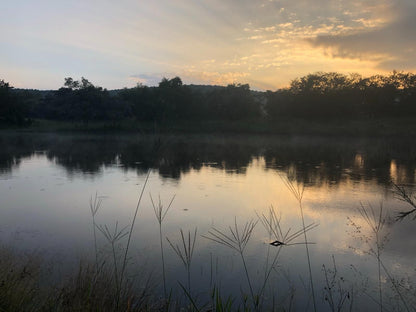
x: 150, y: 79
x: 191, y: 75
x: 392, y: 45
x: 214, y: 77
x: 266, y: 42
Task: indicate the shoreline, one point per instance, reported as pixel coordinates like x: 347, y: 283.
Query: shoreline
x: 392, y: 127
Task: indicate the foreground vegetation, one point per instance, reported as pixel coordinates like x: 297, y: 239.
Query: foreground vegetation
x: 319, y: 102
x: 106, y: 285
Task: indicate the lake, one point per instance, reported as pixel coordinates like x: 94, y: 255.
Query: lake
x: 47, y: 182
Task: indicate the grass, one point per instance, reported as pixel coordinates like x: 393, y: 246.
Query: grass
x: 22, y: 287
x: 95, y: 205
x: 404, y: 195
x: 375, y: 220
x: 336, y: 294
x: 114, y: 237
x: 19, y: 281
x: 279, y: 238
x: 185, y: 252
x: 297, y: 190
x: 237, y: 239
x: 160, y: 214
x: 103, y: 285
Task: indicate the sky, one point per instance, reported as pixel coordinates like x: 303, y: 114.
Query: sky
x: 265, y: 43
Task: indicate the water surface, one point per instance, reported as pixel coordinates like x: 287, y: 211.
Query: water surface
x: 47, y: 180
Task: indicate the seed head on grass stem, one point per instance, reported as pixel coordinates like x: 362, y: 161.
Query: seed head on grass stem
x: 376, y: 220
x: 404, y: 195
x: 160, y: 211
x: 237, y: 240
x: 376, y: 223
x: 185, y: 252
x: 297, y: 191
x: 160, y: 214
x: 335, y: 293
x: 95, y: 205
x: 272, y: 224
x: 113, y: 237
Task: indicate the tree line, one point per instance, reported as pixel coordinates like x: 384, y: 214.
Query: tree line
x: 339, y: 96
x: 320, y: 96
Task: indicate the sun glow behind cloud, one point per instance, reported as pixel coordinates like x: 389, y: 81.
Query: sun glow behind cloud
x: 265, y: 43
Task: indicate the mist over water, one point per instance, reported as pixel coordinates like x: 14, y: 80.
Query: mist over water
x: 47, y: 180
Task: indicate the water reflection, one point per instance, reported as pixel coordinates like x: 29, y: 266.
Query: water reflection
x: 215, y: 180
x: 312, y: 161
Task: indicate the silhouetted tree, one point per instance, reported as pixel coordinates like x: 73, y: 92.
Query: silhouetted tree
x: 12, y: 111
x: 82, y: 101
x: 141, y: 100
x: 173, y: 100
x: 318, y: 96
x: 232, y: 103
x: 337, y: 96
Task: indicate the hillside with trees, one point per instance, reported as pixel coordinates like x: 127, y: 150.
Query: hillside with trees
x: 318, y: 97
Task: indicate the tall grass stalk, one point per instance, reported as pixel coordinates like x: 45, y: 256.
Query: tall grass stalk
x: 19, y: 281
x: 237, y: 240
x: 219, y: 303
x: 95, y: 205
x: 113, y: 237
x: 376, y: 221
x: 402, y: 194
x: 185, y: 252
x: 160, y: 213
x: 126, y: 251
x: 297, y: 192
x: 334, y: 292
x: 272, y: 224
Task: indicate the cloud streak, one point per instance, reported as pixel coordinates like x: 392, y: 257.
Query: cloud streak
x: 265, y: 43
x: 391, y: 45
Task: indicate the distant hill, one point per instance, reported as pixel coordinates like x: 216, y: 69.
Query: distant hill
x: 114, y: 92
